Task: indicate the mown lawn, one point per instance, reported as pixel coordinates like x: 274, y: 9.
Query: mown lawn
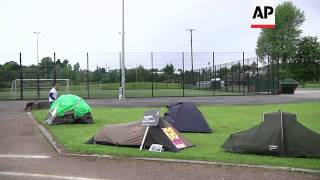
x: 225, y: 120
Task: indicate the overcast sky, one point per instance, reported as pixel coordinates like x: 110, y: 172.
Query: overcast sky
x: 80, y: 26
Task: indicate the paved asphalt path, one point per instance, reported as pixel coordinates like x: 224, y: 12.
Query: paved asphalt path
x: 305, y: 95
x: 26, y: 154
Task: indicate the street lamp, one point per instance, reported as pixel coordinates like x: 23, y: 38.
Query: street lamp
x: 191, y: 30
x: 123, y: 81
x: 37, y: 34
x: 38, y: 82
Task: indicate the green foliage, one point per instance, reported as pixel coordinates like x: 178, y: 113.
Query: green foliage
x: 236, y: 68
x: 283, y: 39
x: 306, y: 65
x: 139, y: 74
x: 168, y: 70
x: 46, y: 67
x: 225, y: 120
x: 8, y: 72
x: 223, y: 72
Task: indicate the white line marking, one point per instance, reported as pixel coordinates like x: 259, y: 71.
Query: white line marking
x: 24, y: 156
x: 46, y: 176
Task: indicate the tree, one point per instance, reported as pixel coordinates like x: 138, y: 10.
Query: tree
x: 168, y: 73
x: 58, y: 62
x: 283, y: 39
x: 46, y: 67
x: 306, y: 65
x: 168, y: 69
x: 65, y: 63
x: 76, y: 70
x: 223, y: 72
x: 8, y: 72
x: 235, y: 68
x: 76, y: 67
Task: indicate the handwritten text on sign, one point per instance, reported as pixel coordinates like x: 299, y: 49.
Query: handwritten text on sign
x: 151, y: 118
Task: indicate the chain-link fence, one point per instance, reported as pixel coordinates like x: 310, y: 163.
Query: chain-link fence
x: 151, y: 74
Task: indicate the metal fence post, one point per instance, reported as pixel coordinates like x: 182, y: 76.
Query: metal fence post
x: 243, y: 73
x: 239, y: 78
x: 257, y: 84
x: 183, y: 80
x: 88, y: 93
x: 227, y: 74
x: 278, y: 89
x: 152, y: 74
x: 206, y: 75
x: 272, y: 70
x: 199, y: 78
x: 38, y: 81
x: 220, y: 79
x: 231, y: 69
x: 54, y: 69
x: 268, y: 72
x: 21, y: 77
x: 248, y: 76
x: 213, y: 75
x: 120, y: 69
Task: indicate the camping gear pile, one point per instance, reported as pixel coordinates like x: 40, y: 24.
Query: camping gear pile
x: 33, y: 105
x: 69, y: 109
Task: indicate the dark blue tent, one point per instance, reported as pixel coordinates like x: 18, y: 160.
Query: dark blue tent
x: 186, y: 117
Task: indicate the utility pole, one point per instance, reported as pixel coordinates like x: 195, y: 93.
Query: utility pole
x: 191, y: 50
x: 123, y: 81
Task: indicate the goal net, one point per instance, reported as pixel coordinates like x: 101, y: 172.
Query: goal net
x: 31, y: 85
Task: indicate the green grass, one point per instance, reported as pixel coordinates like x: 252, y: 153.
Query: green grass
x: 225, y: 120
x: 312, y: 85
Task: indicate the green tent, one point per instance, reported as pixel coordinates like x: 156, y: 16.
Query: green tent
x: 280, y: 134
x: 69, y: 109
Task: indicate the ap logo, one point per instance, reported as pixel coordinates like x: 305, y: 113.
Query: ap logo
x: 263, y: 14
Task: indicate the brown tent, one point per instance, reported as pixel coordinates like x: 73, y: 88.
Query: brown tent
x: 131, y: 134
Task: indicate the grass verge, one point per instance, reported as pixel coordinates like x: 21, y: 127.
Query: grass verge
x: 225, y: 120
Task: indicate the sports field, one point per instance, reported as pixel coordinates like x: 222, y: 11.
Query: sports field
x: 134, y: 89
x: 96, y: 93
x: 140, y: 89
x: 223, y: 119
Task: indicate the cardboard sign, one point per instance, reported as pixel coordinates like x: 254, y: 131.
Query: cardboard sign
x: 156, y: 148
x: 151, y: 118
x: 175, y: 139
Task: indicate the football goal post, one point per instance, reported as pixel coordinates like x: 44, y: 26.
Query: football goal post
x: 32, y: 85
